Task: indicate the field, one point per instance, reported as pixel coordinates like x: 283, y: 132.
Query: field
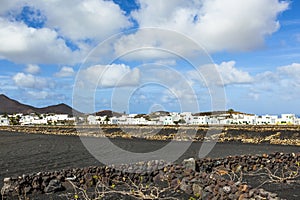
x: 23, y: 153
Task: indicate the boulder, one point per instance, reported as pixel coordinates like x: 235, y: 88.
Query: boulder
x: 53, y: 186
x: 189, y: 163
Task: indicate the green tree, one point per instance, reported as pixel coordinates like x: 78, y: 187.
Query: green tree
x: 5, y: 115
x: 14, y: 120
x: 230, y: 110
x: 107, y: 119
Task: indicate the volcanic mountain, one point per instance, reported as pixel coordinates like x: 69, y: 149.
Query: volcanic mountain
x: 108, y: 113
x: 11, y: 106
x: 59, y: 109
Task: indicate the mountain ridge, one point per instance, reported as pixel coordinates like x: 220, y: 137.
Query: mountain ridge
x: 11, y: 106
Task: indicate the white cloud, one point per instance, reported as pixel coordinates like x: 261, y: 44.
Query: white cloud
x: 282, y: 83
x: 114, y: 75
x: 218, y: 25
x: 23, y: 44
x: 84, y: 19
x: 292, y: 71
x: 38, y: 94
x: 254, y: 95
x: 32, y: 69
x: 166, y: 62
x: 181, y: 97
x: 156, y: 44
x: 7, y: 5
x: 6, y: 83
x: 225, y: 73
x: 65, y: 72
x: 30, y: 81
x: 231, y: 75
x: 288, y: 76
x: 67, y: 22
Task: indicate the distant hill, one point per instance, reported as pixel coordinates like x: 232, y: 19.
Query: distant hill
x: 11, y: 106
x: 217, y: 113
x: 108, y: 113
x: 59, y: 109
x: 158, y: 114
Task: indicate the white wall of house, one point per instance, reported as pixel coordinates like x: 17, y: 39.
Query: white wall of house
x: 27, y: 120
x: 186, y: 116
x: 42, y: 121
x: 246, y: 119
x: 114, y: 120
x: 61, y: 117
x: 266, y: 119
x: 286, y: 119
x: 199, y: 120
x: 167, y: 120
x: 93, y: 120
x: 4, y: 121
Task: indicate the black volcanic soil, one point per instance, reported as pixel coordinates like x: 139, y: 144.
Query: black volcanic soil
x: 22, y: 153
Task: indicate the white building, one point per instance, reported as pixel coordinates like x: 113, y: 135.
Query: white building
x: 199, y: 120
x: 93, y: 120
x: 167, y: 120
x: 185, y: 118
x: 4, y: 121
x: 27, y: 119
x: 56, y: 119
x: 114, y: 120
x: 246, y: 119
x: 266, y: 119
x: 33, y: 119
x: 287, y: 119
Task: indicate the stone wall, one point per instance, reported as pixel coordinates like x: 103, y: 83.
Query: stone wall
x: 203, y: 178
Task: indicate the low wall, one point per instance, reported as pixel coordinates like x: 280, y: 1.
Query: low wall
x: 205, y: 178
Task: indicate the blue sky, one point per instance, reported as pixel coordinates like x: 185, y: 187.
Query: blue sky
x: 97, y: 54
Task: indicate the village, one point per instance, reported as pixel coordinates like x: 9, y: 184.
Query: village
x: 155, y: 118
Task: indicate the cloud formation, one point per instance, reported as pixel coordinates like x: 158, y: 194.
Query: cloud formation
x: 231, y: 75
x: 38, y: 94
x: 108, y: 76
x: 23, y: 44
x: 232, y: 25
x: 285, y: 79
x: 23, y: 80
x: 65, y: 72
x: 32, y: 69
x: 89, y: 19
x: 226, y: 73
x: 57, y: 41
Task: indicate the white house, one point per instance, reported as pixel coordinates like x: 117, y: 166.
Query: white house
x: 59, y: 119
x: 4, y: 121
x: 246, y: 119
x: 114, y: 120
x: 167, y: 120
x: 33, y: 119
x: 93, y: 120
x: 286, y: 119
x: 185, y: 116
x: 266, y: 119
x: 199, y: 120
x: 27, y: 119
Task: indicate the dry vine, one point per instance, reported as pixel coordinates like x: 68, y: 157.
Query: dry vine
x: 138, y: 191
